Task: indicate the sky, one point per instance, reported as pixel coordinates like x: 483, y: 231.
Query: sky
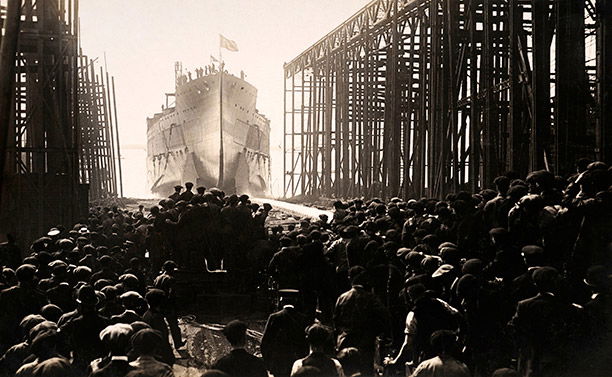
x: 142, y: 39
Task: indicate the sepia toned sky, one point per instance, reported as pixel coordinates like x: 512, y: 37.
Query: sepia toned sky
x: 143, y: 38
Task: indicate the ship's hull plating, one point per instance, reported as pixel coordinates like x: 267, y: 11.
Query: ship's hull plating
x: 184, y: 142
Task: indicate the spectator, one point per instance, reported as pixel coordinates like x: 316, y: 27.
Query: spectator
x: 543, y: 325
x: 17, y: 302
x: 239, y: 363
x: 359, y: 317
x: 81, y: 333
x: 472, y: 262
x: 146, y: 344
x: 444, y: 345
x: 350, y: 359
x: 284, y: 339
x: 116, y: 339
x: 319, y: 339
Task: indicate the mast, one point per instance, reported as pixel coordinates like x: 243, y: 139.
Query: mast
x: 220, y: 182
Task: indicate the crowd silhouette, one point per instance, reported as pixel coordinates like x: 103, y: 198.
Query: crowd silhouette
x: 508, y: 281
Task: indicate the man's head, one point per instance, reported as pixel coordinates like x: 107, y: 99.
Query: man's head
x: 350, y: 231
x: 87, y: 298
x: 178, y: 188
x: 146, y: 342
x: 318, y: 336
x: 44, y: 343
x: 116, y: 338
x: 533, y: 255
x: 169, y: 266
x: 51, y: 312
x: 502, y: 183
x: 350, y: 359
x: 546, y: 279
x: 358, y: 276
x: 540, y: 180
x: 517, y: 191
x: 25, y: 274
x: 235, y: 333
x: 289, y: 296
x: 131, y: 300
x: 444, y: 342
x: 28, y: 322
x: 598, y: 278
x: 188, y: 186
x: 499, y: 236
x: 155, y: 298
x: 416, y: 291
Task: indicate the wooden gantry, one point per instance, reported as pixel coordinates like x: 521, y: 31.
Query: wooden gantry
x: 425, y: 97
x: 60, y: 146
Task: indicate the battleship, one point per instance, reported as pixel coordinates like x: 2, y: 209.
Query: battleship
x: 211, y: 134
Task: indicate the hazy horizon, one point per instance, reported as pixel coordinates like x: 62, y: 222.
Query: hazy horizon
x: 143, y: 38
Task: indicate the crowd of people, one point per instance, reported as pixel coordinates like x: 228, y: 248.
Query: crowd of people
x: 511, y: 281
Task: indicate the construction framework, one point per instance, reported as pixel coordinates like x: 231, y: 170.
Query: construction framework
x: 100, y: 157
x: 426, y: 97
x: 55, y: 154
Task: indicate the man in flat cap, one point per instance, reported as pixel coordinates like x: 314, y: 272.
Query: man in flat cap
x: 494, y: 212
x: 359, y: 317
x: 543, y: 325
x: 427, y: 315
x: 44, y: 347
x: 17, y: 302
x: 14, y: 357
x: 131, y: 301
x: 319, y: 338
x: 200, y: 191
x: 239, y: 363
x: 55, y: 366
x: 176, y: 195
x: 10, y: 254
x: 146, y: 344
x: 82, y: 333
x: 596, y: 354
x: 339, y: 253
x: 167, y: 282
x: 284, y: 266
x: 187, y: 195
x: 154, y: 316
x: 116, y: 339
x: 446, y: 348
x: 523, y: 286
x: 284, y: 338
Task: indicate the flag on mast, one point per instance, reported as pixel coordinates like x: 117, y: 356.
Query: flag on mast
x: 227, y: 44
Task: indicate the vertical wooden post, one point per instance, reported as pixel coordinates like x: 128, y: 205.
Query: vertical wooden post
x: 8, y: 51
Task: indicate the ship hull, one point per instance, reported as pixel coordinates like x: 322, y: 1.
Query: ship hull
x: 190, y: 142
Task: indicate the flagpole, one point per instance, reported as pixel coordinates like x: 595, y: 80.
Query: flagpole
x: 221, y: 168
